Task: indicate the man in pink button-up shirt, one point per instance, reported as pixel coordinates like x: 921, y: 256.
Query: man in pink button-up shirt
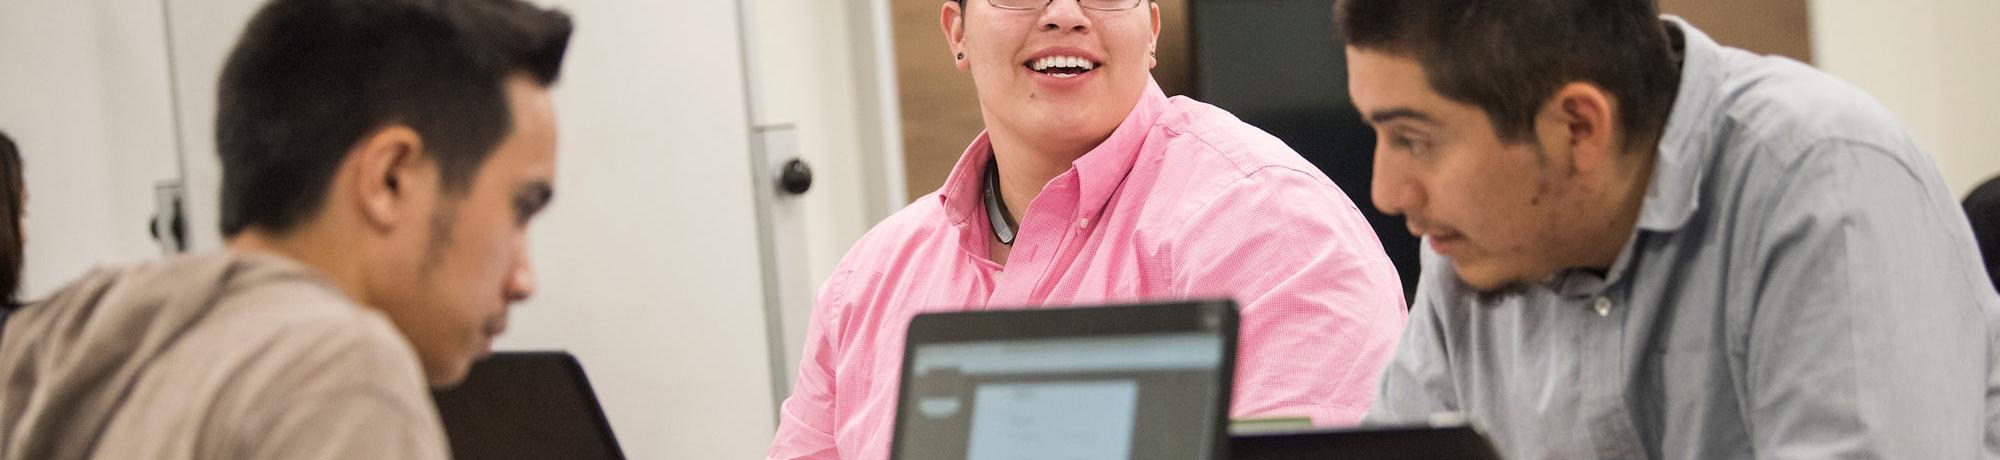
x: 1117, y: 194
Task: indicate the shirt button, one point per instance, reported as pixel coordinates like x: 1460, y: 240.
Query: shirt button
x: 1603, y: 306
x: 1083, y: 223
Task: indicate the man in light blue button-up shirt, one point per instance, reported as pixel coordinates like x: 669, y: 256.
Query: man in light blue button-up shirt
x: 1642, y: 244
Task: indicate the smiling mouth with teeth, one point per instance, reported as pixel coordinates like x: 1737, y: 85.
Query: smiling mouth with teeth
x: 1062, y: 66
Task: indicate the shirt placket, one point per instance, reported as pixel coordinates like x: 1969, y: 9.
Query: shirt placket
x: 1612, y: 431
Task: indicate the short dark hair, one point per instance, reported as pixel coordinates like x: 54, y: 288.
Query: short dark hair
x: 309, y: 78
x: 1982, y: 209
x: 1508, y: 57
x: 11, y: 200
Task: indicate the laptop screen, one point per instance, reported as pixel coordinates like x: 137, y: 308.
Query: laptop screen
x: 1108, y: 394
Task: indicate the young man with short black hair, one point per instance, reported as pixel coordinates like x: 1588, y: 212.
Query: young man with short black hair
x: 1643, y: 244
x: 380, y: 163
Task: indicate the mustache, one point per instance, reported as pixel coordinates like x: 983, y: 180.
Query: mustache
x: 1419, y: 225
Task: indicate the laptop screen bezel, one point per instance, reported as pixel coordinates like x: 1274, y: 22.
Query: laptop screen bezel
x: 1201, y: 316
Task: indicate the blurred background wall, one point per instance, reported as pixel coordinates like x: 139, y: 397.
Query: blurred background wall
x: 1277, y: 65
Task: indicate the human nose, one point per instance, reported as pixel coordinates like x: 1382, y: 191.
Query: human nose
x: 1393, y: 189
x: 1065, y: 15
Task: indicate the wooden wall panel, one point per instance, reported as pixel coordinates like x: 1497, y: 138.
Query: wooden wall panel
x: 1778, y: 27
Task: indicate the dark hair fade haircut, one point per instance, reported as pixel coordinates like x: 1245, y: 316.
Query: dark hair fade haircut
x: 310, y: 78
x: 1508, y: 57
x: 11, y: 200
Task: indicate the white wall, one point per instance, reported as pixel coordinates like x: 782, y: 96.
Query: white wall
x: 83, y: 91
x: 815, y: 66
x: 648, y: 258
x: 814, y: 63
x: 201, y: 34
x: 1935, y: 63
x: 805, y: 76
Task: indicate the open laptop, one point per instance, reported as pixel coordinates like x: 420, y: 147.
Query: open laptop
x: 524, y: 405
x: 1144, y: 381
x: 1369, y: 443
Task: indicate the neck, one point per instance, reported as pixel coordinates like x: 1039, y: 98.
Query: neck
x: 1625, y: 198
x: 1026, y: 167
x: 312, y: 248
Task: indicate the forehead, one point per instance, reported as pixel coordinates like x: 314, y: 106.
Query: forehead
x: 1378, y: 79
x: 530, y: 147
x: 1386, y: 86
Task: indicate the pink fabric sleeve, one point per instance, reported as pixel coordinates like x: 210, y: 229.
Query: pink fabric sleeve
x: 1321, y: 304
x: 805, y: 421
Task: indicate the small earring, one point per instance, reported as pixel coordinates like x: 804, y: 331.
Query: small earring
x: 961, y: 56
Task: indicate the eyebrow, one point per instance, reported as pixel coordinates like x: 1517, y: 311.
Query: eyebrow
x: 1400, y: 113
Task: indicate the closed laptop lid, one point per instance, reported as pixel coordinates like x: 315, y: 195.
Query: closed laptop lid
x: 526, y: 405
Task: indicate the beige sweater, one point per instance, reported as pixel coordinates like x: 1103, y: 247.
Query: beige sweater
x: 222, y: 356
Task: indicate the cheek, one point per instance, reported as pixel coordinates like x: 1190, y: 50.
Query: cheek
x: 1492, y: 214
x: 494, y: 254
x: 1132, y: 46
x: 992, y: 44
x: 479, y: 257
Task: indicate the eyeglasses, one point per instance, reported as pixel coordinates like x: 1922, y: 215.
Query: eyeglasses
x: 1099, y: 5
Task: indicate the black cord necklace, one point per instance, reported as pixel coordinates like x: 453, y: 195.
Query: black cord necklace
x: 996, y: 211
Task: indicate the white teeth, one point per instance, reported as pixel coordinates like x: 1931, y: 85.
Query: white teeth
x: 1063, y: 61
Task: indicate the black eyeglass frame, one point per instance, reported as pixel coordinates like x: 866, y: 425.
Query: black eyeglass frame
x: 1085, y: 4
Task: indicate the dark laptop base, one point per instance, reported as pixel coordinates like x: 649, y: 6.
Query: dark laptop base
x: 1383, y: 443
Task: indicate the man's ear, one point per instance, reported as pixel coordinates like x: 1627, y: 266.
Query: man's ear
x: 389, y: 164
x: 1153, y: 47
x: 1585, y: 119
x: 952, y: 20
